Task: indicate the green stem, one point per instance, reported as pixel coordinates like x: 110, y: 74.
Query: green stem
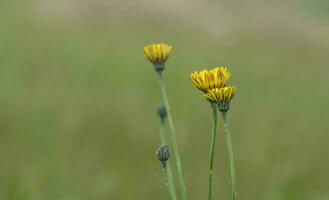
x: 212, y: 149
x: 168, y: 173
x: 230, y: 150
x: 161, y: 132
x: 173, y: 137
x: 165, y: 172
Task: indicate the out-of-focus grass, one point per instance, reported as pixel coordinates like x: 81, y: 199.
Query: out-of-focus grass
x: 78, y: 99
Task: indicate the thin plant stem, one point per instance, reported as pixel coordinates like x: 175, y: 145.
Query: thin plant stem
x: 212, y: 149
x: 230, y: 151
x: 161, y: 132
x: 173, y: 138
x: 167, y: 173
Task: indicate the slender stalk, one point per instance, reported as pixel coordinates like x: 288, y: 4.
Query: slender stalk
x: 230, y: 150
x: 212, y: 149
x: 167, y: 171
x: 161, y: 132
x: 173, y: 137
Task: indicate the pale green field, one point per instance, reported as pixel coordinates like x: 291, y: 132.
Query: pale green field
x: 78, y: 98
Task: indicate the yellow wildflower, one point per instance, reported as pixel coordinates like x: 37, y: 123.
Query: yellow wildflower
x: 221, y: 96
x: 157, y: 54
x: 206, y: 80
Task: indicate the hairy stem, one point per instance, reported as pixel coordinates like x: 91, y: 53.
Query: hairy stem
x: 212, y: 149
x: 230, y: 151
x: 167, y: 173
x: 173, y: 138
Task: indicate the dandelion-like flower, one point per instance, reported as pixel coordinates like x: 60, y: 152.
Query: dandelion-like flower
x: 206, y: 80
x: 221, y: 96
x: 158, y: 54
x: 213, y: 84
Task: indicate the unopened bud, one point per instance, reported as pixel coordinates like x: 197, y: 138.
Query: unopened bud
x: 162, y: 111
x: 163, y: 153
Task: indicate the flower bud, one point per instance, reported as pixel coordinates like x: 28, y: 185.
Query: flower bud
x: 162, y: 111
x: 163, y: 153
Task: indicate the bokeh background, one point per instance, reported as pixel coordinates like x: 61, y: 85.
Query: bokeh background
x: 78, y: 97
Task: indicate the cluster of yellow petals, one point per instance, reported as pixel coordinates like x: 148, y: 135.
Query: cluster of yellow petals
x: 213, y: 84
x: 224, y: 94
x: 157, y: 53
x: 206, y: 80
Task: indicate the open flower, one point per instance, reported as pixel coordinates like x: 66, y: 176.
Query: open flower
x: 157, y: 54
x: 221, y: 96
x: 206, y: 80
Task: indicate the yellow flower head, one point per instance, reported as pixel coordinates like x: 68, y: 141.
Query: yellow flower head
x: 206, y: 80
x: 221, y: 96
x: 157, y: 54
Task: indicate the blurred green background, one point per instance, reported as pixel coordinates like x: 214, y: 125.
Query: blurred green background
x: 78, y: 97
